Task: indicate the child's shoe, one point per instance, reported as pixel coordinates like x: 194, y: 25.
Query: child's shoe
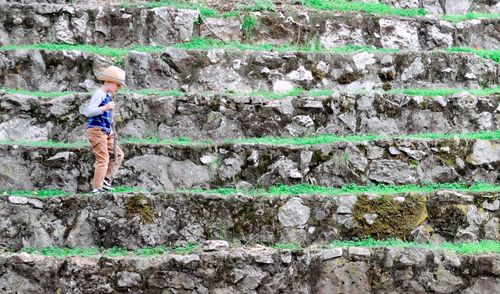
x: 98, y: 191
x: 107, y: 184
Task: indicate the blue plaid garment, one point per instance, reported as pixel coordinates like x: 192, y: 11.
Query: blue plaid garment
x: 103, y: 120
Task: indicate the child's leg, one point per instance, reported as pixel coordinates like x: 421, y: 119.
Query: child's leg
x: 114, y: 161
x: 99, y: 144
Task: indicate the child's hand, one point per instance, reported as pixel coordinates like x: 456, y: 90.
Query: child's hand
x: 109, y: 106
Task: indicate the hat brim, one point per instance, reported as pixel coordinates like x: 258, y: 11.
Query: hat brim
x: 105, y: 78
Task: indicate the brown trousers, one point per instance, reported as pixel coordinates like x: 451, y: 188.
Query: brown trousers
x: 106, y: 163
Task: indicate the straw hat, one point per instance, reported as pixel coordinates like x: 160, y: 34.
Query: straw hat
x: 113, y: 74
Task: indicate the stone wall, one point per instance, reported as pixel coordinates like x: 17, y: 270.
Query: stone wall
x: 221, y: 116
x: 168, y: 219
x: 356, y: 270
x: 120, y: 27
x: 163, y: 167
x: 243, y: 71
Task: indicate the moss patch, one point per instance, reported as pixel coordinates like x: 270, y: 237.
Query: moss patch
x: 447, y: 219
x: 393, y: 218
x: 142, y: 206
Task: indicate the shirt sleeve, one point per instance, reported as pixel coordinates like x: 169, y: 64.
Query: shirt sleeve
x: 93, y: 109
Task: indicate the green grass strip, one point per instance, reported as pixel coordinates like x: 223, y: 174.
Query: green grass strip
x: 112, y: 252
x: 47, y: 193
x: 445, y: 91
x: 285, y: 141
x: 270, y: 94
x: 483, y: 53
x: 106, y: 51
x: 367, y: 7
x: 471, y: 16
x: 481, y: 247
x: 41, y: 94
x: 350, y: 189
x: 207, y: 44
x: 470, y: 248
x: 292, y: 190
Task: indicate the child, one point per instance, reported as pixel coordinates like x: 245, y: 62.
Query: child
x: 100, y: 129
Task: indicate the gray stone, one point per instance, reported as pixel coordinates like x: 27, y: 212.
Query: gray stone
x: 82, y: 233
x: 35, y: 202
x: 215, y: 245
x: 136, y: 128
x: 445, y: 281
x: 227, y: 29
x: 128, y: 279
x: 171, y: 25
x: 457, y: 6
x: 19, y: 129
x: 338, y: 33
x: 414, y: 70
x: 447, y: 258
x: 187, y: 260
x: 492, y: 229
x: 300, y: 74
x: 294, y: 213
x: 453, y: 197
x: 264, y: 258
x: 433, y: 7
x: 363, y: 59
x: 12, y: 282
x: 151, y: 166
x: 15, y: 81
x: 59, y: 159
x: 217, y: 77
x: 484, y: 152
x: 421, y: 234
x: 491, y: 206
x: 331, y: 254
x: 230, y: 168
x: 18, y: 200
x: 483, y: 285
x: 187, y: 174
x: 370, y: 218
x: 283, y: 106
x: 359, y: 251
x: 413, y: 257
x: 345, y: 204
x: 392, y: 172
x: 399, y: 34
x: 282, y: 86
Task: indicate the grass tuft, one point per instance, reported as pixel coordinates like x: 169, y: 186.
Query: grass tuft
x: 483, y: 53
x: 472, y: 248
x: 471, y: 16
x: 367, y: 7
x: 207, y: 44
x: 446, y: 91
x: 481, y: 247
x: 294, y: 141
x: 350, y: 189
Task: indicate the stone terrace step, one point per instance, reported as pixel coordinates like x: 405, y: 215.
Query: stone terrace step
x: 168, y: 219
x: 348, y: 270
x: 222, y: 116
x: 110, y: 25
x: 221, y: 70
x: 399, y: 161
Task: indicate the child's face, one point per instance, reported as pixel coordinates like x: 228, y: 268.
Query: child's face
x: 112, y: 87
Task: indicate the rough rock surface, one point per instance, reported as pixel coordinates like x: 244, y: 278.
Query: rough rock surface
x: 417, y: 161
x: 116, y: 26
x: 245, y: 70
x: 220, y: 116
x: 391, y: 270
x: 169, y: 219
